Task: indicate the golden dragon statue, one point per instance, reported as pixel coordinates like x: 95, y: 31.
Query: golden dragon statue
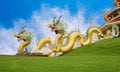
x: 25, y: 37
x: 71, y: 40
x: 61, y: 35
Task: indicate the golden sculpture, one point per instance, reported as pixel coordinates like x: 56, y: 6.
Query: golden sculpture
x: 24, y: 36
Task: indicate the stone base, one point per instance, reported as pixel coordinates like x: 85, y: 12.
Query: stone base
x: 30, y: 54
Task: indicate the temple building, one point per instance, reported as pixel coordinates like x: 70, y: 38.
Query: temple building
x: 112, y: 17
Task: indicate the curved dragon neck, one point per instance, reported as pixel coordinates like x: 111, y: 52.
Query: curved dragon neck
x: 42, y: 42
x: 59, y: 40
x: 89, y: 35
x: 71, y: 41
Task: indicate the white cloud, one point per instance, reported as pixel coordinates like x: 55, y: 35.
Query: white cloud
x: 37, y: 24
x: 8, y: 44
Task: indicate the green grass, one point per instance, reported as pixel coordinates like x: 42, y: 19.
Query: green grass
x: 102, y: 56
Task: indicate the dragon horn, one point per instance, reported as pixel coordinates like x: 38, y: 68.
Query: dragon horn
x: 23, y: 27
x: 54, y: 19
x: 58, y: 19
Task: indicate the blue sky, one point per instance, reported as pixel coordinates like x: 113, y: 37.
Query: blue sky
x: 14, y: 9
x: 37, y: 14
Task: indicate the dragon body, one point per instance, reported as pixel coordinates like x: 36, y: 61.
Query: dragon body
x: 71, y: 40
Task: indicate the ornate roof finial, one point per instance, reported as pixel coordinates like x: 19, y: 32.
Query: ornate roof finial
x: 90, y: 22
x: 104, y: 12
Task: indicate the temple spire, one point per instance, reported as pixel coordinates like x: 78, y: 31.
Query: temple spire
x: 90, y: 22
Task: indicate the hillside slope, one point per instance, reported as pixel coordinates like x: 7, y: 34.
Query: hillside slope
x: 103, y: 47
x: 102, y: 56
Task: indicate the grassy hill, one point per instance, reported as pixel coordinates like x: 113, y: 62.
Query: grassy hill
x: 102, y: 56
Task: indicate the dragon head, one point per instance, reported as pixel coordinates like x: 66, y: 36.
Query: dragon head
x: 20, y: 36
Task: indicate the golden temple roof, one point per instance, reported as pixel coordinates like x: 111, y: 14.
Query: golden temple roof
x: 116, y: 2
x: 108, y: 25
